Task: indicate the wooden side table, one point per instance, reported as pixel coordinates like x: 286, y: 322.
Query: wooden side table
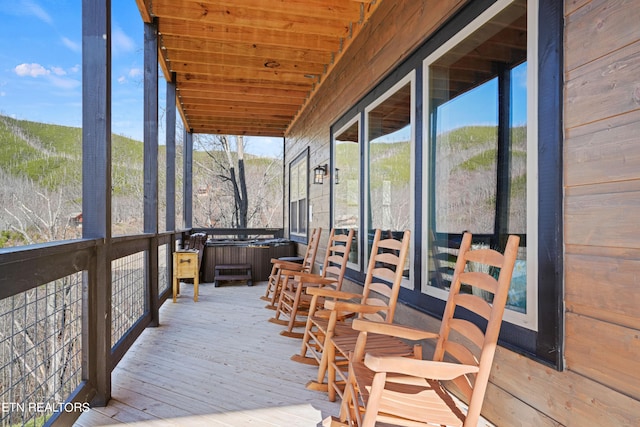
x: 185, y: 266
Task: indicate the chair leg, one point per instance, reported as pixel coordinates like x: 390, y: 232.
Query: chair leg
x: 319, y: 384
x: 350, y: 405
x: 330, y: 349
x: 272, y: 276
x: 293, y: 315
x: 195, y: 287
x: 280, y: 306
x: 175, y: 288
x: 302, y: 356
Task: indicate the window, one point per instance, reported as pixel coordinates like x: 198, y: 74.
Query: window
x: 346, y: 185
x: 487, y: 134
x: 298, y: 185
x: 477, y: 157
x: 389, y: 163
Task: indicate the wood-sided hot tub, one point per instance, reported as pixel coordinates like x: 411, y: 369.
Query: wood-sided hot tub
x: 257, y: 252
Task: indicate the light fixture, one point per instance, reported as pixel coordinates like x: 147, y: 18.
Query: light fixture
x: 336, y: 176
x: 318, y: 173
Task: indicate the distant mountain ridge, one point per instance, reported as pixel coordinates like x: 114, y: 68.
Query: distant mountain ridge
x: 51, y: 155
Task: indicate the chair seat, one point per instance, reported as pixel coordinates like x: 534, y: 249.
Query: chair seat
x: 401, y: 402
x: 378, y: 345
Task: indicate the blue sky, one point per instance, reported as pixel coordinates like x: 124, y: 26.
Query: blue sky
x: 41, y: 66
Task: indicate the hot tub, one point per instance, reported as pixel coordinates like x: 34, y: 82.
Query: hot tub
x: 257, y: 252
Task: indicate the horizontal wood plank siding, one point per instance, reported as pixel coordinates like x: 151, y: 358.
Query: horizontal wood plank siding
x: 598, y: 28
x: 604, y: 351
x: 602, y: 204
x: 603, y: 88
x: 602, y: 193
x: 604, y: 151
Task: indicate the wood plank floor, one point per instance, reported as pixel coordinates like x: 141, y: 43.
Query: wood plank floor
x: 217, y: 362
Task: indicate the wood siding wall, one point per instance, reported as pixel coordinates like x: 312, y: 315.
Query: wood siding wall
x: 601, y: 383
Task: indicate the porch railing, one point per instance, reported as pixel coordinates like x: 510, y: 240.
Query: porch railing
x: 48, y: 366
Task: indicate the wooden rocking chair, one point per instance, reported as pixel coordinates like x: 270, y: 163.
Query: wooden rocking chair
x: 294, y: 301
x: 410, y: 392
x: 276, y: 277
x: 386, y: 265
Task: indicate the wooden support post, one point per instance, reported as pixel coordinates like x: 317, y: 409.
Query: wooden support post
x: 170, y: 133
x: 151, y: 164
x: 187, y: 195
x: 96, y: 192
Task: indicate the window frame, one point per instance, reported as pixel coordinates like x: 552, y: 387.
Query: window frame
x: 546, y: 345
x: 295, y: 165
x: 528, y: 320
x: 355, y: 120
x: 409, y: 78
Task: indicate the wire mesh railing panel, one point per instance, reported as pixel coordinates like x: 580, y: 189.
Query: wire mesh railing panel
x: 40, y: 350
x: 129, y: 299
x: 163, y: 268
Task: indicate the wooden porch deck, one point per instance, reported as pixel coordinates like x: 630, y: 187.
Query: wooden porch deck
x: 217, y: 362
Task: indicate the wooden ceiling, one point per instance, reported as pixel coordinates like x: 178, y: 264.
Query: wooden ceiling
x: 249, y: 67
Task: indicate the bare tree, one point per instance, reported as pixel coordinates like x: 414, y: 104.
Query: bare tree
x: 224, y: 195
x: 40, y: 329
x: 238, y: 182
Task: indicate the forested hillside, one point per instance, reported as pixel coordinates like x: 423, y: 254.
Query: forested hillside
x: 41, y: 188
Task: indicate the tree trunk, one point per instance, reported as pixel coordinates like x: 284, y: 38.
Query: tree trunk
x: 238, y: 182
x: 243, y: 202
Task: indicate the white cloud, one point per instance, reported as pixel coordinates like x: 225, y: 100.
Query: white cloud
x: 122, y: 79
x: 75, y: 68
x: 135, y: 72
x: 75, y: 47
x: 64, y: 82
x: 3, y: 93
x: 54, y: 75
x: 58, y: 71
x: 33, y: 70
x: 31, y: 8
x: 120, y: 42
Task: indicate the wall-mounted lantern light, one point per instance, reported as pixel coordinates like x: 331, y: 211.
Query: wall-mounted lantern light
x: 319, y: 173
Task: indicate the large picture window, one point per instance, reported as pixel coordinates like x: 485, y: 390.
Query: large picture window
x: 478, y: 151
x: 477, y: 162
x: 390, y: 164
x: 298, y: 187
x: 346, y: 193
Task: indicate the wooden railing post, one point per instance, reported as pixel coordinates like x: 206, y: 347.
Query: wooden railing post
x: 152, y: 281
x: 99, y: 327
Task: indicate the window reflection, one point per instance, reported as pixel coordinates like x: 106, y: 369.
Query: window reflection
x: 478, y: 145
x: 346, y: 215
x: 298, y: 198
x: 389, y: 157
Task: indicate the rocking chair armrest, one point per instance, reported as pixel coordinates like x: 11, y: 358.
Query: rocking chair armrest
x: 291, y: 272
x: 332, y: 293
x: 314, y: 278
x: 348, y: 306
x: 289, y: 265
x: 418, y: 368
x: 392, y: 329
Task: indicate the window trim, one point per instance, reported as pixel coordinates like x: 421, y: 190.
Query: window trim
x: 545, y: 346
x: 299, y: 237
x: 356, y: 119
x: 527, y: 320
x: 409, y: 78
